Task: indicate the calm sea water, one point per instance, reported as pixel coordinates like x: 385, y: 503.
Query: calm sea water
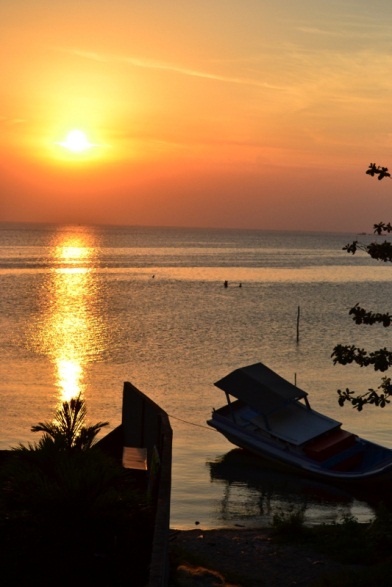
x: 84, y: 309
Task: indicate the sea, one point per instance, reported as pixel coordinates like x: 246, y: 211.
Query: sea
x: 86, y: 308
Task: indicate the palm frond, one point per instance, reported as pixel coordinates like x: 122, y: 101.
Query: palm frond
x: 68, y: 429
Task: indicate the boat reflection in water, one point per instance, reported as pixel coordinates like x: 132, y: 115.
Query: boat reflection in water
x: 254, y: 493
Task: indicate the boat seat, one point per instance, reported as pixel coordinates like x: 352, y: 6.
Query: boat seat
x: 328, y: 445
x: 347, y: 460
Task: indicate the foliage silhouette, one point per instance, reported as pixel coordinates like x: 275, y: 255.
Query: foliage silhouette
x: 380, y: 359
x: 68, y: 429
x: 68, y: 509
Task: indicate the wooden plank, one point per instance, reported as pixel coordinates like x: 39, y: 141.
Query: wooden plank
x: 134, y: 458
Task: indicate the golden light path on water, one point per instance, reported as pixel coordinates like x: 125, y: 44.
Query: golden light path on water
x: 70, y: 331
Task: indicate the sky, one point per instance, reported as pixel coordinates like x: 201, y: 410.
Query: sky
x: 209, y: 113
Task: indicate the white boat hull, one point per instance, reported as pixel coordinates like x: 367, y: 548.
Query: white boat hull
x: 270, y: 420
x: 277, y: 457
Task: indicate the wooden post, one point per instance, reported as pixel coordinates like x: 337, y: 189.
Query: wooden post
x: 298, y: 315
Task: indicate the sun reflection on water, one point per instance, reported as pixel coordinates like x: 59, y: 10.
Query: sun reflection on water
x: 70, y: 330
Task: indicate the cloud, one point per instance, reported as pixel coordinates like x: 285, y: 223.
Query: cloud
x: 170, y: 67
x: 92, y: 55
x: 6, y: 121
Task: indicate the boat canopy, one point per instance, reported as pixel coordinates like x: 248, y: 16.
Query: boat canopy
x: 260, y: 387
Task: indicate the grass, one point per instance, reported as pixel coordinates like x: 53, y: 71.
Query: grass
x: 368, y: 546
x: 364, y: 549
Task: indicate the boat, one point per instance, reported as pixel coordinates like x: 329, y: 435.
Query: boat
x: 272, y: 418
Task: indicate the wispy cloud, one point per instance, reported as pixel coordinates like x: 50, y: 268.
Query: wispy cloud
x: 170, y: 67
x: 349, y: 25
x: 7, y: 121
x: 92, y: 55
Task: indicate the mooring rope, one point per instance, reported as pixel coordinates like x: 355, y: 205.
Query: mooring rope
x: 192, y: 423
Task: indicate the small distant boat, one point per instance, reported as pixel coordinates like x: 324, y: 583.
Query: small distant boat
x: 272, y: 418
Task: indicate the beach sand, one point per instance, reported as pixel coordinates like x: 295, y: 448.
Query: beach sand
x: 246, y: 558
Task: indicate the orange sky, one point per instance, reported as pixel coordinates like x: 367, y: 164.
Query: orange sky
x: 236, y: 113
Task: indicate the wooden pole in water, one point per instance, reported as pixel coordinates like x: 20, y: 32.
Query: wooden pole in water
x: 298, y: 315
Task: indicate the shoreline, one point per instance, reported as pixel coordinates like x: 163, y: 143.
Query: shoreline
x: 246, y: 557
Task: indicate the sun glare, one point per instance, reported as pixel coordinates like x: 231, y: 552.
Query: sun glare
x: 75, y: 146
x: 76, y: 141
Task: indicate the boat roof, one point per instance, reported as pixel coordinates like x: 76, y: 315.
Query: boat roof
x: 260, y: 387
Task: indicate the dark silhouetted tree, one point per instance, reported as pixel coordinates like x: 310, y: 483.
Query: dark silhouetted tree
x: 380, y: 359
x: 68, y: 430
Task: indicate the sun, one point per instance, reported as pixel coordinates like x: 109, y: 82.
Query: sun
x: 76, y: 141
x: 74, y: 146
